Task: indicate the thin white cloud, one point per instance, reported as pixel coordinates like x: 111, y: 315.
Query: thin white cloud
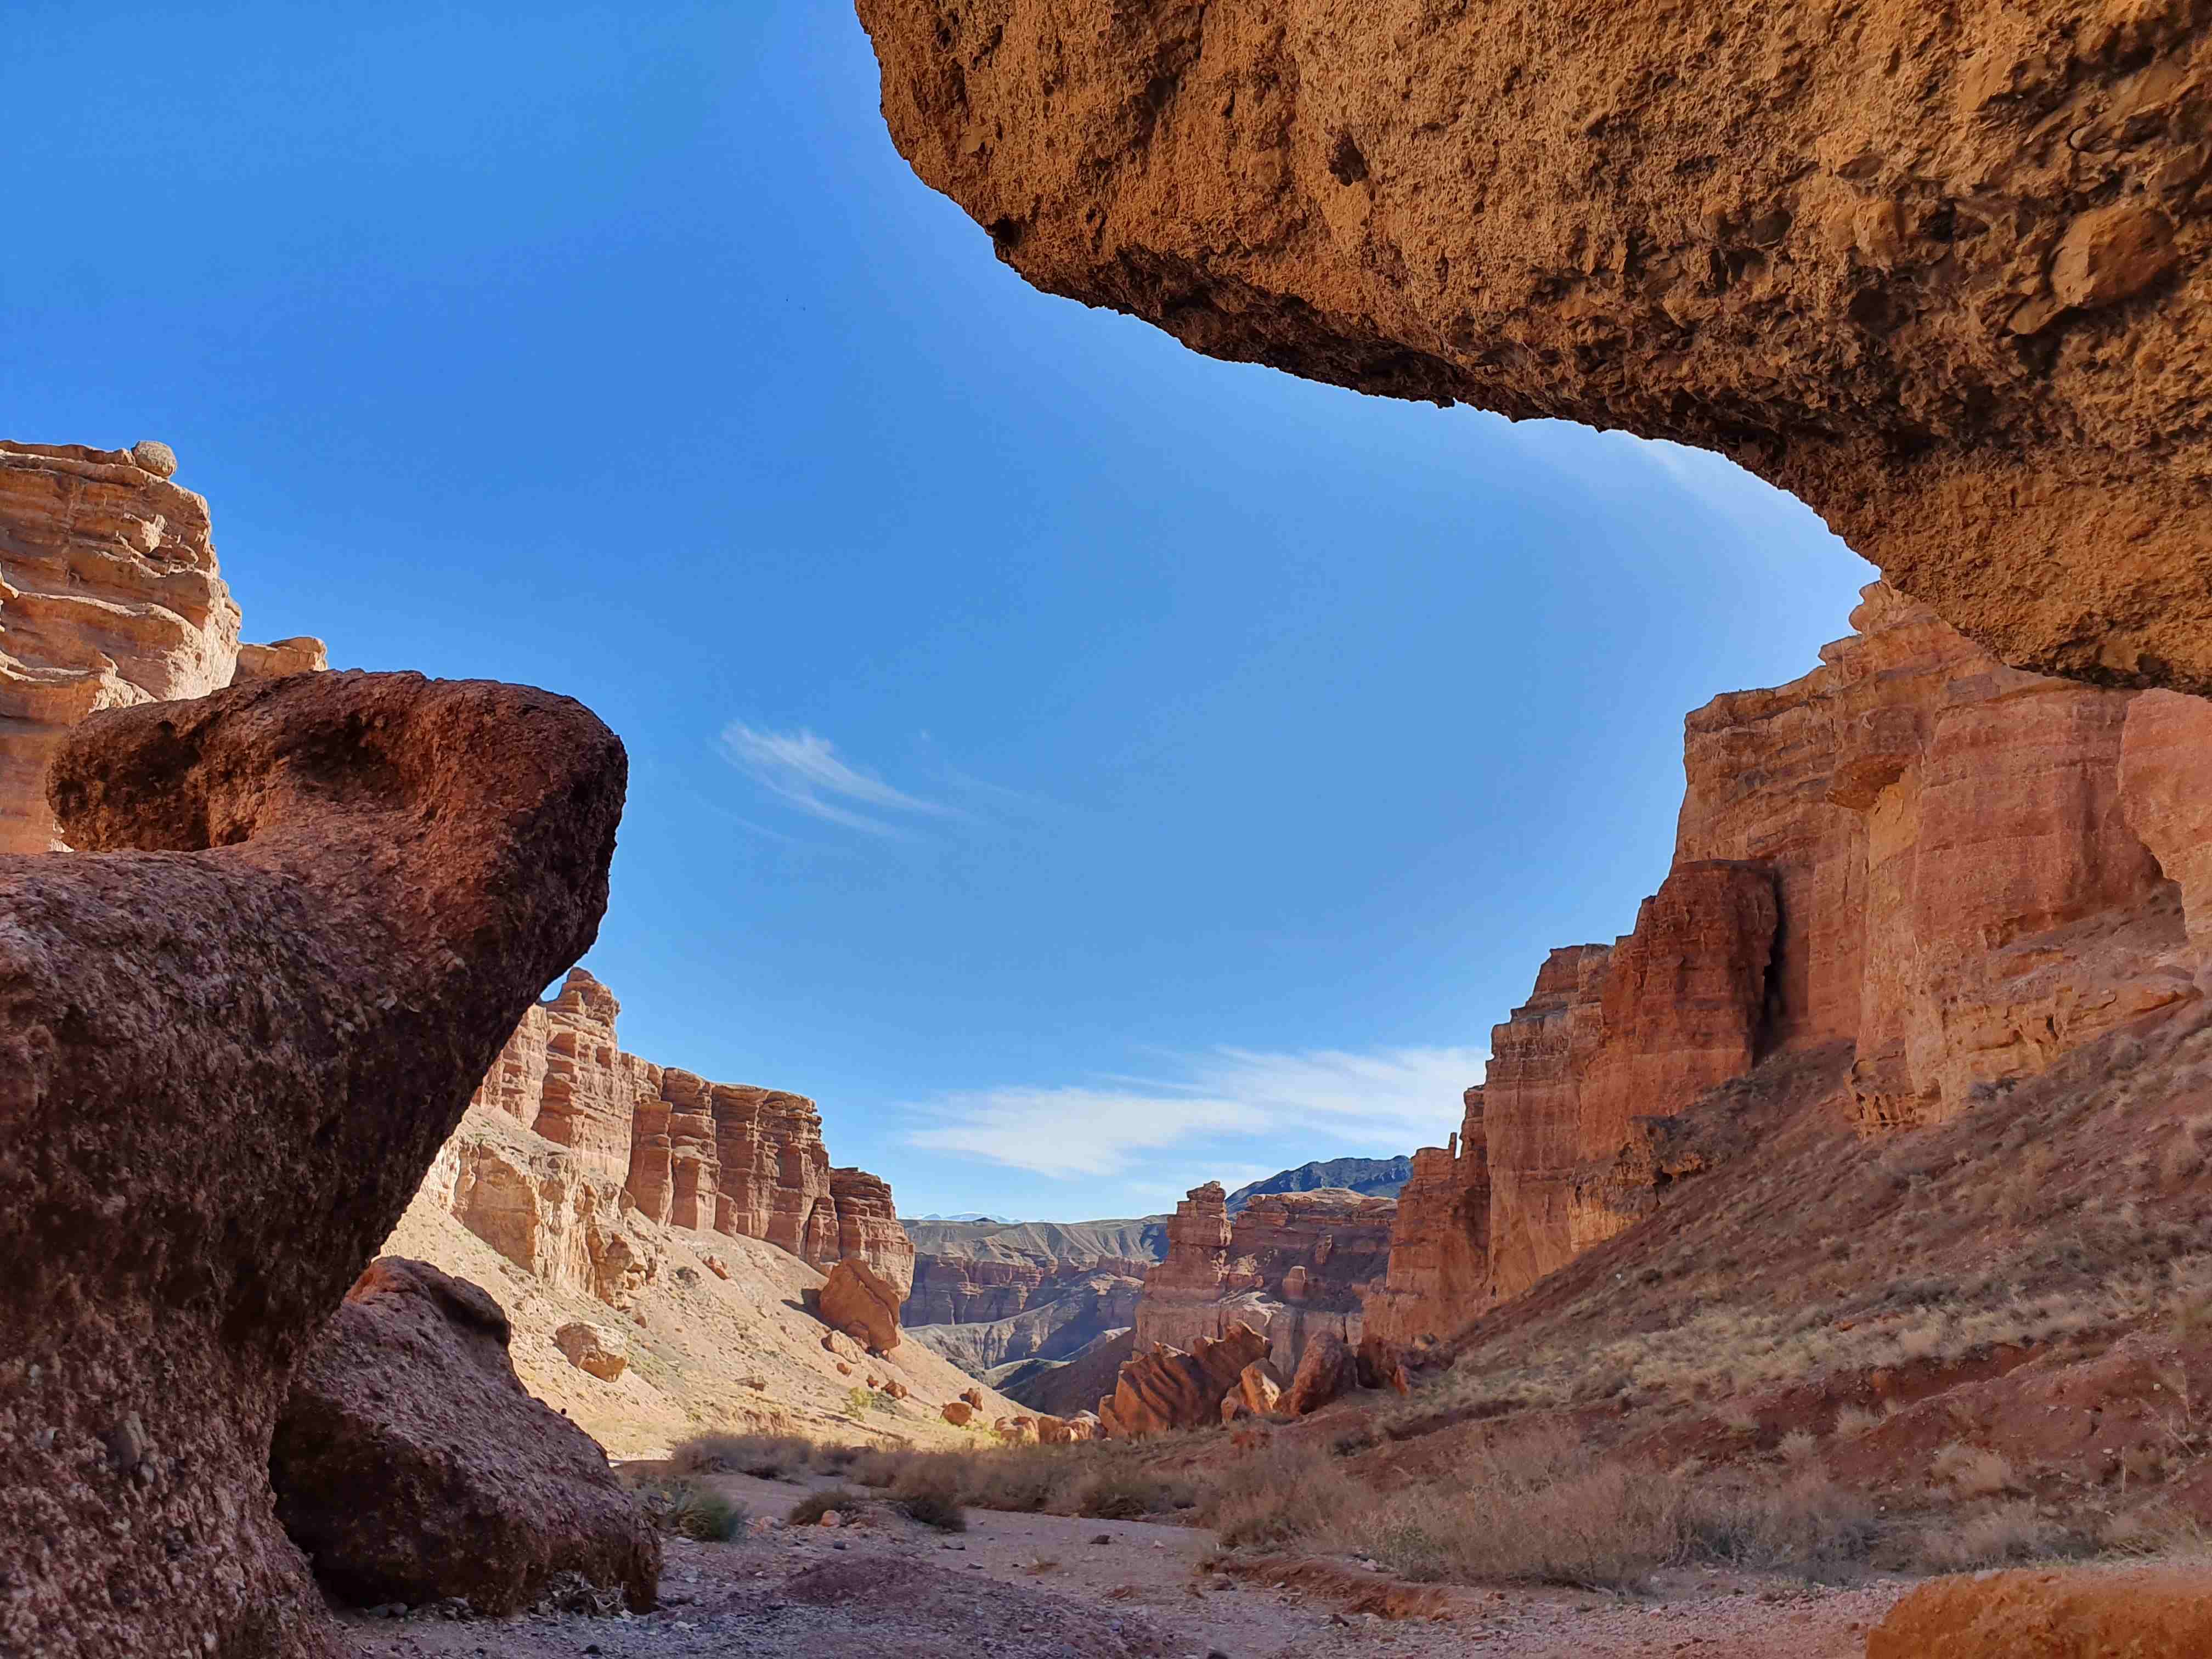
x: 1247, y: 1105
x: 805, y: 772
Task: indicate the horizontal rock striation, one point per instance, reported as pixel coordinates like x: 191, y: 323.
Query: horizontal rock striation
x: 973, y: 1272
x: 109, y: 597
x: 1939, y: 271
x: 1953, y: 872
x: 677, y: 1149
x: 1292, y: 1266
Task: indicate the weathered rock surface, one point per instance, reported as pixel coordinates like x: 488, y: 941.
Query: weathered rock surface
x: 306, y: 913
x: 1956, y: 871
x: 1327, y: 1372
x: 593, y: 1348
x: 1057, y: 1329
x: 1292, y: 1266
x: 109, y: 597
x: 683, y: 1151
x: 860, y: 1301
x: 1439, y: 1261
x: 2149, y: 1613
x: 411, y: 1465
x: 1939, y: 272
x: 1164, y: 1388
x: 1070, y: 1386
x: 970, y: 1272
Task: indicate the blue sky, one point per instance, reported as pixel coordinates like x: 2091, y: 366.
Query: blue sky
x: 1085, y: 768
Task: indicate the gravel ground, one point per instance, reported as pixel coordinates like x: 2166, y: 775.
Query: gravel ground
x: 1047, y: 1587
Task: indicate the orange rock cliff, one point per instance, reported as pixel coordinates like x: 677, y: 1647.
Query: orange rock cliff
x: 1942, y: 872
x: 714, y: 1157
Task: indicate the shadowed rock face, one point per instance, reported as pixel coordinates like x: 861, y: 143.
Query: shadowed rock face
x: 1936, y: 269
x: 412, y: 1465
x: 233, y: 1031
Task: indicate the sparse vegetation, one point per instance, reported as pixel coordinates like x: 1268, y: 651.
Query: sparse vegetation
x: 1111, y: 1481
x: 809, y: 1510
x: 684, y: 1507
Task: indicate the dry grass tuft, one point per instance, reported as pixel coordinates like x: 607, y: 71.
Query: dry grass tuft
x: 682, y: 1507
x: 809, y: 1510
x: 1973, y: 1471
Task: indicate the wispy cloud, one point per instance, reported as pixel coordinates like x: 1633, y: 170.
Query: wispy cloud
x: 805, y: 772
x: 1229, y: 1098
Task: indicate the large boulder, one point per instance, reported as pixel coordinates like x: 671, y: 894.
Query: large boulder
x: 1168, y: 1388
x: 412, y: 1464
x: 1328, y: 1370
x: 860, y: 1301
x: 593, y: 1348
x: 234, y: 1028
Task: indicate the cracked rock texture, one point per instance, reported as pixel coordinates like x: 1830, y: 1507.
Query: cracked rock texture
x: 1939, y: 271
x: 234, y: 1029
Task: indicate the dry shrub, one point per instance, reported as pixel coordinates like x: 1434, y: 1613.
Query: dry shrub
x: 1531, y: 1505
x: 1855, y: 1420
x: 2157, y: 1529
x: 931, y: 1496
x: 1800, y: 1446
x: 1107, y: 1479
x: 1278, y: 1493
x: 765, y: 1456
x: 1807, y: 1525
x: 810, y: 1509
x: 682, y: 1506
x: 2009, y: 1531
x: 1973, y: 1471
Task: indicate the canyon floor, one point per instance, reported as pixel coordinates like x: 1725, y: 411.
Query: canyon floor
x: 1053, y: 1586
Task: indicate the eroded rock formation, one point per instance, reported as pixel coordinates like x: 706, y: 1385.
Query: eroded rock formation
x: 306, y: 913
x: 1165, y: 1388
x: 1957, y: 871
x: 1375, y: 1177
x: 681, y: 1150
x: 860, y: 1301
x: 109, y: 597
x: 412, y: 1466
x: 1938, y: 270
x: 1292, y: 1266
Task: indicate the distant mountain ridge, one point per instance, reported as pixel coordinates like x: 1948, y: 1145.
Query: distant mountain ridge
x: 1377, y: 1177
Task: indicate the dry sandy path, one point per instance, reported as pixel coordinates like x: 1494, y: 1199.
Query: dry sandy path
x: 1047, y: 1587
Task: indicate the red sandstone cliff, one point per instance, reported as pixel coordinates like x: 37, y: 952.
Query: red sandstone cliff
x: 109, y: 596
x: 713, y: 1157
x: 1291, y: 1266
x: 1960, y: 871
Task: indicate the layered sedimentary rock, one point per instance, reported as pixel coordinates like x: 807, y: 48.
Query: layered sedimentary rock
x: 1951, y: 871
x: 680, y: 1150
x: 109, y: 597
x: 1292, y: 1266
x: 411, y: 1465
x: 1164, y: 1388
x: 1083, y: 1310
x: 306, y: 913
x: 1938, y: 270
x: 1439, y: 1241
x: 971, y: 1273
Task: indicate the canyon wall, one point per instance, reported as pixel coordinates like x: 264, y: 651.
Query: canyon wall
x: 988, y: 1295
x: 1939, y: 271
x: 1948, y: 871
x: 109, y: 596
x: 1292, y: 1266
x: 680, y: 1149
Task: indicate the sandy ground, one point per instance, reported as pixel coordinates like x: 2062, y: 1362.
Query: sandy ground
x: 1046, y: 1587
